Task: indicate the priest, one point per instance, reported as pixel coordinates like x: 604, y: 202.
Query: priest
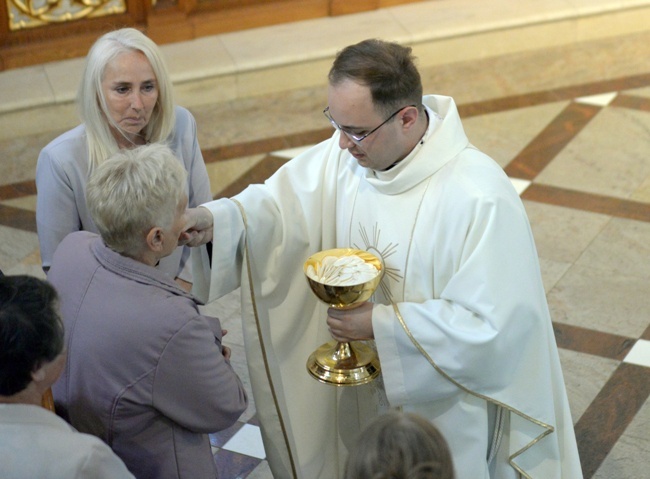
x: 460, y: 321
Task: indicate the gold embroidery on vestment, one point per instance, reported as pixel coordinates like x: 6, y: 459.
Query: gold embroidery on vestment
x: 261, y: 339
x: 548, y: 428
x: 394, y: 273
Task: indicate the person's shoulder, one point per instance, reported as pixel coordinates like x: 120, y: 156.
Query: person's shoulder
x: 93, y: 456
x: 70, y: 148
x: 80, y: 237
x: 176, y: 303
x: 39, y: 437
x: 74, y: 244
x: 182, y: 114
x: 17, y: 413
x: 67, y: 140
x: 87, y: 443
x: 183, y: 138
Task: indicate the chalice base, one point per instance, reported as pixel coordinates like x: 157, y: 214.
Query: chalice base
x: 343, y: 364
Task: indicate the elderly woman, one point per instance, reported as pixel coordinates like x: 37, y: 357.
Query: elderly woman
x: 146, y: 371
x: 125, y: 100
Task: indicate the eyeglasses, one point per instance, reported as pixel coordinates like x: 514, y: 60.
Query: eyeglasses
x: 355, y: 136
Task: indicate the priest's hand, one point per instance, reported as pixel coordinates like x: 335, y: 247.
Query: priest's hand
x: 351, y: 324
x: 198, y: 229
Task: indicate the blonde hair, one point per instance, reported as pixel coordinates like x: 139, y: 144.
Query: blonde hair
x: 92, y: 103
x: 132, y: 192
x: 400, y: 445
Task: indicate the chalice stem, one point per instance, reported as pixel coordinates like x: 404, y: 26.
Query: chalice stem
x: 344, y: 355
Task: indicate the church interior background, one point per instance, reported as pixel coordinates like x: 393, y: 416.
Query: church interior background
x: 556, y: 91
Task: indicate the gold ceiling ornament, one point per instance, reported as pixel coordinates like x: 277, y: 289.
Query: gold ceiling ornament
x: 35, y: 13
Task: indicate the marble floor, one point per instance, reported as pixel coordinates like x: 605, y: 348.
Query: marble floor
x: 557, y: 92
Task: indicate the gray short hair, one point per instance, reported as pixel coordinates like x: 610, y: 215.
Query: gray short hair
x: 134, y: 191
x: 91, y: 101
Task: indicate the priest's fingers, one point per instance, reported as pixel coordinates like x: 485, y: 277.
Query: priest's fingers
x: 194, y: 238
x: 354, y: 324
x: 199, y: 219
x: 198, y: 227
x: 339, y: 338
x: 184, y: 238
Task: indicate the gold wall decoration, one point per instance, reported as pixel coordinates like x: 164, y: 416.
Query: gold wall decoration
x: 34, y: 13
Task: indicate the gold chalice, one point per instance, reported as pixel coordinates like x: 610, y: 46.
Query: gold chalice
x: 337, y: 363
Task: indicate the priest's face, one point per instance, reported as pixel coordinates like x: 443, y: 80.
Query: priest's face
x: 351, y: 110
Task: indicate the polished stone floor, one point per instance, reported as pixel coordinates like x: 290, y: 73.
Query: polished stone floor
x: 567, y: 118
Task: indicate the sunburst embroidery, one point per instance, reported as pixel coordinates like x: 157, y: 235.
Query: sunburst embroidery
x: 373, y: 244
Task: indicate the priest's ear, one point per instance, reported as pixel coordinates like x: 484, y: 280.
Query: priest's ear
x: 409, y: 116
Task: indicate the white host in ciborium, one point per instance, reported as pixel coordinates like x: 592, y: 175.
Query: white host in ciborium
x: 344, y: 278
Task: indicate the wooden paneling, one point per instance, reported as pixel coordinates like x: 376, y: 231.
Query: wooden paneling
x: 394, y: 3
x: 169, y: 21
x: 210, y: 22
x: 60, y: 41
x: 344, y: 7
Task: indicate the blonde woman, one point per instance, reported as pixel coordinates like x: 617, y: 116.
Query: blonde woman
x: 125, y: 100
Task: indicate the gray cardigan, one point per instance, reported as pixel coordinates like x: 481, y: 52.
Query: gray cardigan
x: 61, y: 174
x: 145, y: 369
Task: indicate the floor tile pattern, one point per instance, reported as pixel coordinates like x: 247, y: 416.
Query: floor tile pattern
x: 573, y: 135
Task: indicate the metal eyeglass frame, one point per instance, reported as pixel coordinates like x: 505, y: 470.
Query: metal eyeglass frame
x: 360, y: 138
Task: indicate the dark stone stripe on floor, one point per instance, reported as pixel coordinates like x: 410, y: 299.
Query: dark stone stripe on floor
x: 260, y: 172
x: 18, y: 218
x: 607, y: 417
x: 18, y: 190
x: 632, y: 102
x: 588, y: 341
x: 550, y: 141
x: 550, y: 96
x: 497, y: 105
x: 267, y: 145
x: 579, y: 200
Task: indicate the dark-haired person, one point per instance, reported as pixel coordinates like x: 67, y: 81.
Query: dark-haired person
x: 460, y: 321
x: 34, y: 442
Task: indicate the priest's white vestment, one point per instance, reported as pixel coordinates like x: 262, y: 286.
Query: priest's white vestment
x: 461, y: 322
